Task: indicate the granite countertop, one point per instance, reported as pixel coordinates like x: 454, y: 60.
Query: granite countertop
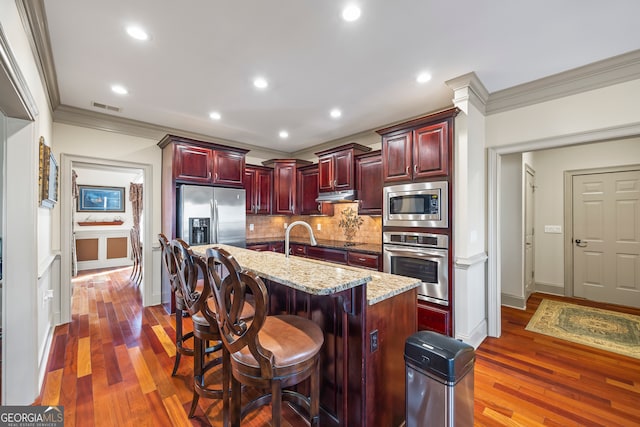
x: 298, y: 273
x: 371, y: 248
x: 312, y: 275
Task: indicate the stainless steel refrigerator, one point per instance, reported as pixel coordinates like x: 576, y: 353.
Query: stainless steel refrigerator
x: 208, y: 215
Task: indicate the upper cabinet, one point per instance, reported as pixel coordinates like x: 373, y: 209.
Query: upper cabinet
x: 285, y: 184
x: 307, y: 186
x: 204, y: 163
x: 369, y: 183
x: 258, y: 183
x: 336, y: 167
x: 419, y: 149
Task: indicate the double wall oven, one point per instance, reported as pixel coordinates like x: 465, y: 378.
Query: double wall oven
x: 412, y: 245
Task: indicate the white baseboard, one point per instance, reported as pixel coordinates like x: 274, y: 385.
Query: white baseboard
x: 513, y: 301
x: 477, y: 335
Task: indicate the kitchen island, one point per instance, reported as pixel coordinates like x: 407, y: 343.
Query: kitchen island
x: 366, y: 317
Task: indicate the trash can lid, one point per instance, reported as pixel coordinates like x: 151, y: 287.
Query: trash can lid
x: 440, y: 355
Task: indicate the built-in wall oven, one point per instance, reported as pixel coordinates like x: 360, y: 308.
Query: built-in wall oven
x: 424, y: 256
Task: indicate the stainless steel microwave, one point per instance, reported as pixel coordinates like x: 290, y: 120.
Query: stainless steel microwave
x: 419, y: 204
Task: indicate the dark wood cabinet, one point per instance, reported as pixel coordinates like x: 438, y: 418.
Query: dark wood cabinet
x: 267, y: 247
x: 364, y: 260
x: 193, y: 164
x: 336, y: 167
x: 228, y: 168
x: 339, y: 256
x: 258, y: 183
x: 307, y: 187
x: 419, y: 149
x: 432, y: 318
x: 284, y: 184
x: 369, y: 183
x: 201, y: 165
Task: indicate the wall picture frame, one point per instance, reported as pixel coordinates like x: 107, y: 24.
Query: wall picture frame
x: 48, y: 176
x: 94, y: 198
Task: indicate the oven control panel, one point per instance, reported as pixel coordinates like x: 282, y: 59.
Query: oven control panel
x: 427, y: 240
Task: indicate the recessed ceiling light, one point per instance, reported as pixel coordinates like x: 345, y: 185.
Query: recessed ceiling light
x: 335, y: 113
x: 284, y: 134
x: 137, y: 33
x: 423, y: 77
x: 214, y: 115
x: 260, y: 83
x: 120, y: 90
x: 351, y: 13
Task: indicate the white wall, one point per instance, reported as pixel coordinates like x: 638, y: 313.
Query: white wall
x: 549, y: 210
x: 29, y: 252
x: 608, y: 107
x: 79, y: 141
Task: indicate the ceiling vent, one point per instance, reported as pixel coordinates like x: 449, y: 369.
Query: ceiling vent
x: 106, y: 107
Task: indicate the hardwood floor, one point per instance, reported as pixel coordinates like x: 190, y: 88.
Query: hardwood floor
x: 112, y: 366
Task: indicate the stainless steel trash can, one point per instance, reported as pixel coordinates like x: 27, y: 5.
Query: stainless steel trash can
x: 439, y: 381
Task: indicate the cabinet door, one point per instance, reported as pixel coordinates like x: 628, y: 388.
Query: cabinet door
x: 284, y: 189
x: 369, y: 185
x: 263, y: 191
x: 431, y: 151
x: 193, y: 164
x: 308, y: 191
x: 396, y: 152
x: 325, y: 173
x: 260, y: 247
x: 228, y: 168
x: 433, y: 319
x: 250, y: 189
x: 343, y: 170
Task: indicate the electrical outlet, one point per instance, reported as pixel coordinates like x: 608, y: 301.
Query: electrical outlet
x: 251, y: 227
x: 285, y: 225
x: 374, y: 340
x: 319, y: 226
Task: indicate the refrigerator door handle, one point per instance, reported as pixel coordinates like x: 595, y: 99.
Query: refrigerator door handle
x: 216, y: 220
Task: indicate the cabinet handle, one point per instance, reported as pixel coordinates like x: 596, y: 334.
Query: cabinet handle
x: 209, y: 175
x: 319, y: 207
x: 361, y: 259
x: 415, y: 168
x: 407, y: 170
x: 215, y: 176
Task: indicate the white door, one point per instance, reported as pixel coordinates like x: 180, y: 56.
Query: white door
x: 606, y: 237
x: 529, y: 248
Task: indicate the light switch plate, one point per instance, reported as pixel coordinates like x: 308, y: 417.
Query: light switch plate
x: 319, y: 226
x: 250, y: 227
x: 285, y: 225
x: 553, y: 229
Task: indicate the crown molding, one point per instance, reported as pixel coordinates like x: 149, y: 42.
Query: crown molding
x: 84, y: 118
x: 17, y: 101
x: 34, y: 20
x: 614, y: 70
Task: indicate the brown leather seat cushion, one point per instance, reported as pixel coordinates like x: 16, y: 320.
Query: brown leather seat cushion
x: 291, y: 339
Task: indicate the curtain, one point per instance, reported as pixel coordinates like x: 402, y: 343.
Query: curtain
x: 135, y: 196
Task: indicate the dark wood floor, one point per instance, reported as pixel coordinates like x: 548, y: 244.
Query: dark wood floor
x: 112, y: 366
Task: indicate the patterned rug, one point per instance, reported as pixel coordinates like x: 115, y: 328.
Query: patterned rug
x: 604, y: 329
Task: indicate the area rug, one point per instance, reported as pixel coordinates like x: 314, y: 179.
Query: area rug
x: 604, y: 329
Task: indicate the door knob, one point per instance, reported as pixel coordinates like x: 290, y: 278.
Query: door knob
x: 581, y: 244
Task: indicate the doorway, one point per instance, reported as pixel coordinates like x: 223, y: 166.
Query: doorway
x: 149, y: 293
x: 605, y: 239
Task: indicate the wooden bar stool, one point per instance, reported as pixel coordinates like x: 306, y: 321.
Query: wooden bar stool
x: 169, y: 262
x: 267, y: 352
x: 189, y: 268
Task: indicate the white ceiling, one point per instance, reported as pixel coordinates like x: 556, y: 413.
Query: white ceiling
x: 203, y: 55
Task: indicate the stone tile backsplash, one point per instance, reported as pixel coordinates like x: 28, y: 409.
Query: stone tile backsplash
x: 273, y: 226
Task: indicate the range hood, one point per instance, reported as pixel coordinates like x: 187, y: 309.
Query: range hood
x: 343, y: 196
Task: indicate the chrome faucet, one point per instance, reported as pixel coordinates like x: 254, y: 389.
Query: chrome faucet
x: 286, y: 236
